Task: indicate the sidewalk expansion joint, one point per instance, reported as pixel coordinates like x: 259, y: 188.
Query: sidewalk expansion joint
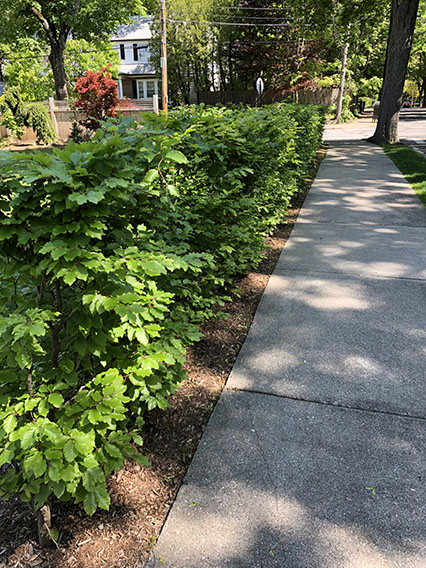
x: 360, y: 224
x: 330, y: 404
x: 353, y: 274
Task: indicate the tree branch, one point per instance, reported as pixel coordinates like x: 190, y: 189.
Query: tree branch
x: 58, y: 296
x: 30, y: 382
x: 43, y: 22
x: 336, y: 33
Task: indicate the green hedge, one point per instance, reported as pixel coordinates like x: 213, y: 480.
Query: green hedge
x: 113, y: 252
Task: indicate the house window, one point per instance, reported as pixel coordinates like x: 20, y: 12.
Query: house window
x: 122, y: 51
x: 140, y: 53
x: 146, y: 88
x: 143, y: 54
x: 150, y: 89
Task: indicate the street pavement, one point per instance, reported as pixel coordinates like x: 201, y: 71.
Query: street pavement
x: 412, y: 127
x: 315, y: 454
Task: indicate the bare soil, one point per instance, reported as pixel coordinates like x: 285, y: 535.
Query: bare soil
x: 142, y: 496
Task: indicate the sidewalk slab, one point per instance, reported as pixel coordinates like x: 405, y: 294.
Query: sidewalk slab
x: 367, y: 250
x: 314, y: 456
x: 286, y: 484
x: 358, y: 183
x: 340, y: 339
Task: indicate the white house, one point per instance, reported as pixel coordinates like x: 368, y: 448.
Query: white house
x: 136, y: 79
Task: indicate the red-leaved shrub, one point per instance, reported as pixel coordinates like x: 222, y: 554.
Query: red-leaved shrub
x: 96, y: 97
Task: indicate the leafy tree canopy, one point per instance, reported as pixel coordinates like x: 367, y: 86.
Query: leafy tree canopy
x: 87, y: 19
x: 26, y: 65
x: 55, y: 21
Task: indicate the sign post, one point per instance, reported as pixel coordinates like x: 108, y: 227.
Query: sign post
x: 164, y: 82
x: 260, y: 87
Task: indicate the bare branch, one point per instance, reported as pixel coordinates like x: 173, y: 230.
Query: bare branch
x: 30, y: 382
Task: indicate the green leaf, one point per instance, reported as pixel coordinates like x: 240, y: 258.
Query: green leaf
x: 142, y: 460
x: 177, y: 156
x: 102, y: 497
x: 6, y: 456
x: 35, y: 463
x: 69, y: 451
x: 94, y: 416
x: 90, y: 503
x: 68, y: 473
x: 53, y: 454
x: 113, y: 451
x: 56, y: 399
x: 28, y: 435
x: 93, y: 477
x: 84, y: 443
x: 9, y: 423
x: 95, y: 196
x: 70, y: 277
x: 59, y: 489
x: 52, y: 431
x: 141, y: 336
x: 23, y: 359
x: 41, y: 497
x: 151, y: 175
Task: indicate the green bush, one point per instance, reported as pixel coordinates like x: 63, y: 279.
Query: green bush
x: 17, y: 114
x: 113, y: 253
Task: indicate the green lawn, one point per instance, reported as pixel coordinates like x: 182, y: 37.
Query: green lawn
x: 412, y: 165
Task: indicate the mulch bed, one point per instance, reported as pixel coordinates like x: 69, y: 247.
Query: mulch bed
x: 142, y: 496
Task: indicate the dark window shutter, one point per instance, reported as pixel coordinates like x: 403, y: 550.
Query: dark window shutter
x: 135, y: 52
x: 122, y: 52
x: 134, y: 89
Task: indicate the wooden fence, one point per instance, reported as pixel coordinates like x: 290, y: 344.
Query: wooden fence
x: 322, y: 96
x: 63, y: 117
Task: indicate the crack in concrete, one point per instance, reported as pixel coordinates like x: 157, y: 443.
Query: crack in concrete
x: 331, y: 404
x: 266, y: 463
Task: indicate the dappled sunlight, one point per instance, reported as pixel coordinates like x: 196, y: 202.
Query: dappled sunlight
x: 284, y: 483
x: 364, y: 365
x: 333, y: 297
x: 345, y: 541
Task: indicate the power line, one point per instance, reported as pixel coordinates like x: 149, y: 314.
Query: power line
x: 208, y: 23
x: 237, y: 16
x: 276, y: 9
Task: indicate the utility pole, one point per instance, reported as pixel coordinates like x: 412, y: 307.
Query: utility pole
x: 164, y: 82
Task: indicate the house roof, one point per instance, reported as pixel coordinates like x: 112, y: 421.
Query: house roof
x: 138, y: 29
x: 137, y: 69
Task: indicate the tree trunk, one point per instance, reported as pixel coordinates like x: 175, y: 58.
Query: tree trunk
x: 56, y: 58
x: 403, y: 19
x: 44, y: 526
x: 341, y: 94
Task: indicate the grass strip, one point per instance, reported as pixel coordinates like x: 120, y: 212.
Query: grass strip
x: 412, y: 165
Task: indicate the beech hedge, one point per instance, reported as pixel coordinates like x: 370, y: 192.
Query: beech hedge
x: 113, y: 252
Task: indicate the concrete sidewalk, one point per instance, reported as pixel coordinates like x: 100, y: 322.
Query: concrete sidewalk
x: 315, y: 456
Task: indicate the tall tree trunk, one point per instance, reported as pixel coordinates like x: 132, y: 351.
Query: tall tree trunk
x: 56, y: 58
x: 222, y: 77
x: 403, y: 19
x: 341, y: 94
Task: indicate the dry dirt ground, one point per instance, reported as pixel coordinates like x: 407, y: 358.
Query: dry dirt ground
x: 142, y: 496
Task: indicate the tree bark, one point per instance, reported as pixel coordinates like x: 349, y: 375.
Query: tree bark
x: 403, y: 19
x: 56, y: 58
x: 341, y: 94
x: 44, y: 526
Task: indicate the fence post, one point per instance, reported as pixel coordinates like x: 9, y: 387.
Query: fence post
x: 155, y: 103
x: 53, y: 115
